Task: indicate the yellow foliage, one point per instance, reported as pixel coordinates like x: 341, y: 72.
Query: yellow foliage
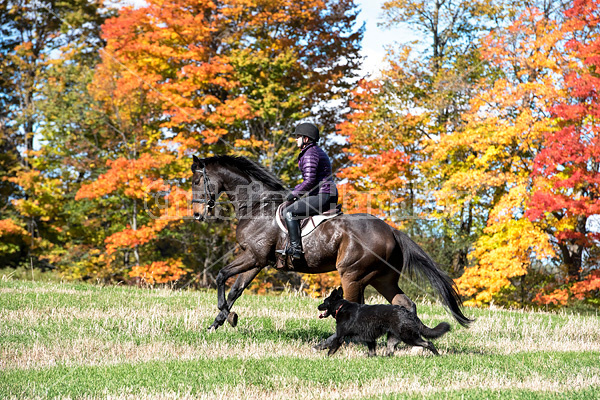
x: 318, y: 285
x: 9, y: 231
x: 487, y: 162
x: 506, y: 249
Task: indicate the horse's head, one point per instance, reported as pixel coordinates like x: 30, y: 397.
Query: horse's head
x: 203, y: 192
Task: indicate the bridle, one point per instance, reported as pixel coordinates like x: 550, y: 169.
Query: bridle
x: 209, y: 197
x: 210, y: 203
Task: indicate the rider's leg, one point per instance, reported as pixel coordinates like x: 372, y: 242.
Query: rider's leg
x: 303, y: 208
x: 293, y: 227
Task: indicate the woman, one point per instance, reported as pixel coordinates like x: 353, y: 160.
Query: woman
x: 317, y: 192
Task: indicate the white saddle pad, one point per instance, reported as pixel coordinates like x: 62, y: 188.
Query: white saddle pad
x: 310, y: 226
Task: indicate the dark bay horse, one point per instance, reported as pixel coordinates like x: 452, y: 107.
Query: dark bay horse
x: 361, y: 247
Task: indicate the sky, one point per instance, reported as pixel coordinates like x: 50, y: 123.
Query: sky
x: 376, y: 38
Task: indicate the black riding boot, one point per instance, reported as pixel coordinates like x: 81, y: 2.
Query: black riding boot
x: 293, y: 227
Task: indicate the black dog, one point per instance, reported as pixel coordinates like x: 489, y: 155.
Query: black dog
x: 365, y: 323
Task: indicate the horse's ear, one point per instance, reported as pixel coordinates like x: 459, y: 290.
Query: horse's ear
x: 196, y: 164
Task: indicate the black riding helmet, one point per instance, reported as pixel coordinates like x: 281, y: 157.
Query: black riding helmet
x: 309, y: 130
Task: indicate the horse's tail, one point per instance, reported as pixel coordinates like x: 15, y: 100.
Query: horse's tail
x: 434, y: 333
x: 415, y: 260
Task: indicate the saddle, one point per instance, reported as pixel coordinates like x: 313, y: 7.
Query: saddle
x: 307, y: 225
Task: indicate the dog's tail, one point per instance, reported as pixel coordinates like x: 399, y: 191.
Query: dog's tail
x: 415, y: 260
x: 436, y: 332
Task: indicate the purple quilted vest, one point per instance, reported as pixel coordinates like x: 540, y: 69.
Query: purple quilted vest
x: 316, y: 171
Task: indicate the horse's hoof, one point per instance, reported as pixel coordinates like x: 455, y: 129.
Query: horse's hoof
x: 232, y: 318
x: 212, y: 329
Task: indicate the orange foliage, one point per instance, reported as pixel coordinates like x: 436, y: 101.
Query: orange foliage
x: 10, y: 234
x: 493, y: 154
x: 567, y: 172
x: 130, y: 238
x: 159, y: 272
x: 165, y: 39
x: 133, y: 177
x: 586, y: 287
x: 558, y: 297
x: 8, y: 227
x: 377, y: 176
x: 506, y: 249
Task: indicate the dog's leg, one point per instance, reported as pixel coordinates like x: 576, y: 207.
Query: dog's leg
x: 431, y: 347
x: 425, y: 344
x: 392, y: 342
x: 335, y: 346
x: 326, y: 343
x: 372, y: 348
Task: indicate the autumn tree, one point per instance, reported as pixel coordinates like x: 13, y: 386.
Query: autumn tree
x: 524, y: 149
x: 240, y: 74
x: 493, y: 153
x: 419, y: 97
x: 33, y: 38
x: 566, y: 192
x: 381, y: 132
x: 134, y: 169
x: 206, y: 77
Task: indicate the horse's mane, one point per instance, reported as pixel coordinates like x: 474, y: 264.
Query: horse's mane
x: 248, y: 167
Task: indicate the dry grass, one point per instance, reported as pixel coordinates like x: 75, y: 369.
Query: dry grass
x: 76, y: 328
x: 294, y: 389
x: 536, y: 334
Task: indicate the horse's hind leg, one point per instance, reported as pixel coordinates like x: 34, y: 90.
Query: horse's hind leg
x: 387, y: 285
x: 353, y: 291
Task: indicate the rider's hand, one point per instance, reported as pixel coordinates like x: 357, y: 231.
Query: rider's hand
x: 291, y: 197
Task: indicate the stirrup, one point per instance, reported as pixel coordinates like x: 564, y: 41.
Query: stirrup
x: 296, y: 254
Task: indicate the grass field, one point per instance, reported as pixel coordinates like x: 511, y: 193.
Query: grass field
x: 83, y: 341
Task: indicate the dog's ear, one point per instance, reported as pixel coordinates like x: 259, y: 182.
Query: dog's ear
x: 340, y: 292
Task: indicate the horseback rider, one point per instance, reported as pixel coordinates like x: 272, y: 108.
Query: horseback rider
x: 316, y: 194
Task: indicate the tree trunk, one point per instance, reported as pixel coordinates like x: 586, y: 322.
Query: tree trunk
x: 572, y: 251
x: 134, y: 227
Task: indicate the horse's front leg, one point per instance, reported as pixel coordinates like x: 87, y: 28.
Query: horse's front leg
x: 244, y: 263
x: 241, y: 283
